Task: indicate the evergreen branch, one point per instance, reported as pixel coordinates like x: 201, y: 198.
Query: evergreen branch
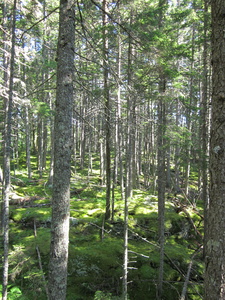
x: 125, y: 29
x: 36, y: 89
x: 39, y: 21
x: 111, y: 18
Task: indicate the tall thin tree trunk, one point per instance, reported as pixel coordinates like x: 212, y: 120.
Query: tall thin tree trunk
x: 83, y: 108
x: 107, y: 109
x: 189, y: 120
x: 57, y: 284
x: 215, y: 238
x: 125, y: 258
x: 27, y: 130
x: 168, y: 166
x: 45, y: 77
x: 204, y: 119
x: 161, y: 163
x: 177, y: 154
x: 119, y: 157
x: 130, y: 123
x: 50, y: 178
x: 40, y: 144
x: 102, y: 160
x: 27, y: 118
x: 161, y: 183
x: 7, y: 154
x: 6, y: 64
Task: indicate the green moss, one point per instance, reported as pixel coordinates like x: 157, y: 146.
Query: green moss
x: 143, y: 210
x: 87, y: 266
x: 96, y: 264
x: 17, y: 214
x: 178, y: 252
x: 42, y: 214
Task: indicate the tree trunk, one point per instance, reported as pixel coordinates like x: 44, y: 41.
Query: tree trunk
x: 177, y: 154
x: 161, y: 163
x: 50, y: 177
x: 130, y: 140
x: 107, y: 109
x: 119, y: 156
x: 6, y: 65
x: 215, y: 238
x: 27, y: 118
x: 83, y: 108
x: 7, y: 155
x: 40, y: 144
x: 62, y: 153
x: 204, y: 119
x: 189, y: 119
x: 161, y: 183
x: 125, y: 257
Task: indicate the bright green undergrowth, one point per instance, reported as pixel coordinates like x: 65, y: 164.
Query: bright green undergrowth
x: 95, y: 261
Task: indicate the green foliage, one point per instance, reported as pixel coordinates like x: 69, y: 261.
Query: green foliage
x: 163, y: 40
x: 95, y: 264
x: 14, y: 293
x: 147, y: 272
x: 99, y: 295
x: 102, y: 296
x: 42, y: 108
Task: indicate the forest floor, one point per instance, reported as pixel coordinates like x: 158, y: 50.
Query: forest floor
x: 95, y: 253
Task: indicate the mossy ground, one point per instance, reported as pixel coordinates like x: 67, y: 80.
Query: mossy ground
x: 95, y: 263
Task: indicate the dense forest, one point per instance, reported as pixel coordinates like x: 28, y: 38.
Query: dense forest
x: 106, y: 113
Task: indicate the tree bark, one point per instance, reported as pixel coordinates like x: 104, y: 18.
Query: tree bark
x: 204, y: 118
x: 125, y: 255
x: 161, y: 184
x: 107, y: 109
x: 177, y: 154
x: 189, y: 118
x: 62, y: 153
x: 7, y: 155
x: 119, y: 129
x: 161, y: 163
x: 28, y: 160
x: 130, y: 140
x: 215, y: 239
x: 40, y: 144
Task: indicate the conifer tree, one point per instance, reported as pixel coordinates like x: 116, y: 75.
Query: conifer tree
x: 7, y: 158
x: 62, y: 153
x: 215, y: 237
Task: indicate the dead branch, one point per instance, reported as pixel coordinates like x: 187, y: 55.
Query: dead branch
x: 184, y: 291
x: 179, y: 208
